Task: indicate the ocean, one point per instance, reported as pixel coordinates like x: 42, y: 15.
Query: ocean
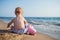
x: 44, y: 25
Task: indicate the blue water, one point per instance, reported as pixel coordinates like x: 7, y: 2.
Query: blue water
x: 36, y: 19
x: 45, y: 25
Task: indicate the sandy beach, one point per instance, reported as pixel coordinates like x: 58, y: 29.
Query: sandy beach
x: 6, y: 35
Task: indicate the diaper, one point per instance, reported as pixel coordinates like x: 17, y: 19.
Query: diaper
x: 22, y: 31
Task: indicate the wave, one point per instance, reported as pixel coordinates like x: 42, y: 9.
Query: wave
x: 35, y: 22
x: 43, y: 23
x: 38, y: 20
x: 57, y: 24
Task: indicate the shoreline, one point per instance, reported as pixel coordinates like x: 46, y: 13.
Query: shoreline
x: 38, y: 36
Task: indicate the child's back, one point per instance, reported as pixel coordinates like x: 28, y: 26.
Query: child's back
x: 19, y: 22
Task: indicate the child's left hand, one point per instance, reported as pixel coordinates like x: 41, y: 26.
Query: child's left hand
x: 8, y: 26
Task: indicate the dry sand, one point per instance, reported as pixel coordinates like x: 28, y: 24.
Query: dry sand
x: 7, y: 35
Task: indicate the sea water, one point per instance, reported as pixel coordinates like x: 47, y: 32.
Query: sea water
x: 44, y: 25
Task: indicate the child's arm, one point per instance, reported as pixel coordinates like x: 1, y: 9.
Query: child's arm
x: 9, y: 23
x: 25, y: 22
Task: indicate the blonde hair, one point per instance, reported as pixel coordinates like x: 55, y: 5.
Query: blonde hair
x: 18, y: 10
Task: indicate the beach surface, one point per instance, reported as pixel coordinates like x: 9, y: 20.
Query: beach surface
x: 7, y: 35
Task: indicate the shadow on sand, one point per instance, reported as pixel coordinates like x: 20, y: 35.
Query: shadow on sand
x: 5, y: 31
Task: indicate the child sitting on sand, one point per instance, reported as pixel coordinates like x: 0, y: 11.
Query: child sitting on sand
x: 20, y: 23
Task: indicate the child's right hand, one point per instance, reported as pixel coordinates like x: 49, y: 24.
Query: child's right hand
x: 26, y: 25
x: 7, y: 26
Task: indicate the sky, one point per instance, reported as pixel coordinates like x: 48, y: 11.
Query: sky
x: 31, y: 8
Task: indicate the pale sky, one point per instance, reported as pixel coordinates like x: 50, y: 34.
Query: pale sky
x: 32, y: 8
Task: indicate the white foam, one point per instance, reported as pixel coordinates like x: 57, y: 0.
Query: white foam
x: 51, y: 30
